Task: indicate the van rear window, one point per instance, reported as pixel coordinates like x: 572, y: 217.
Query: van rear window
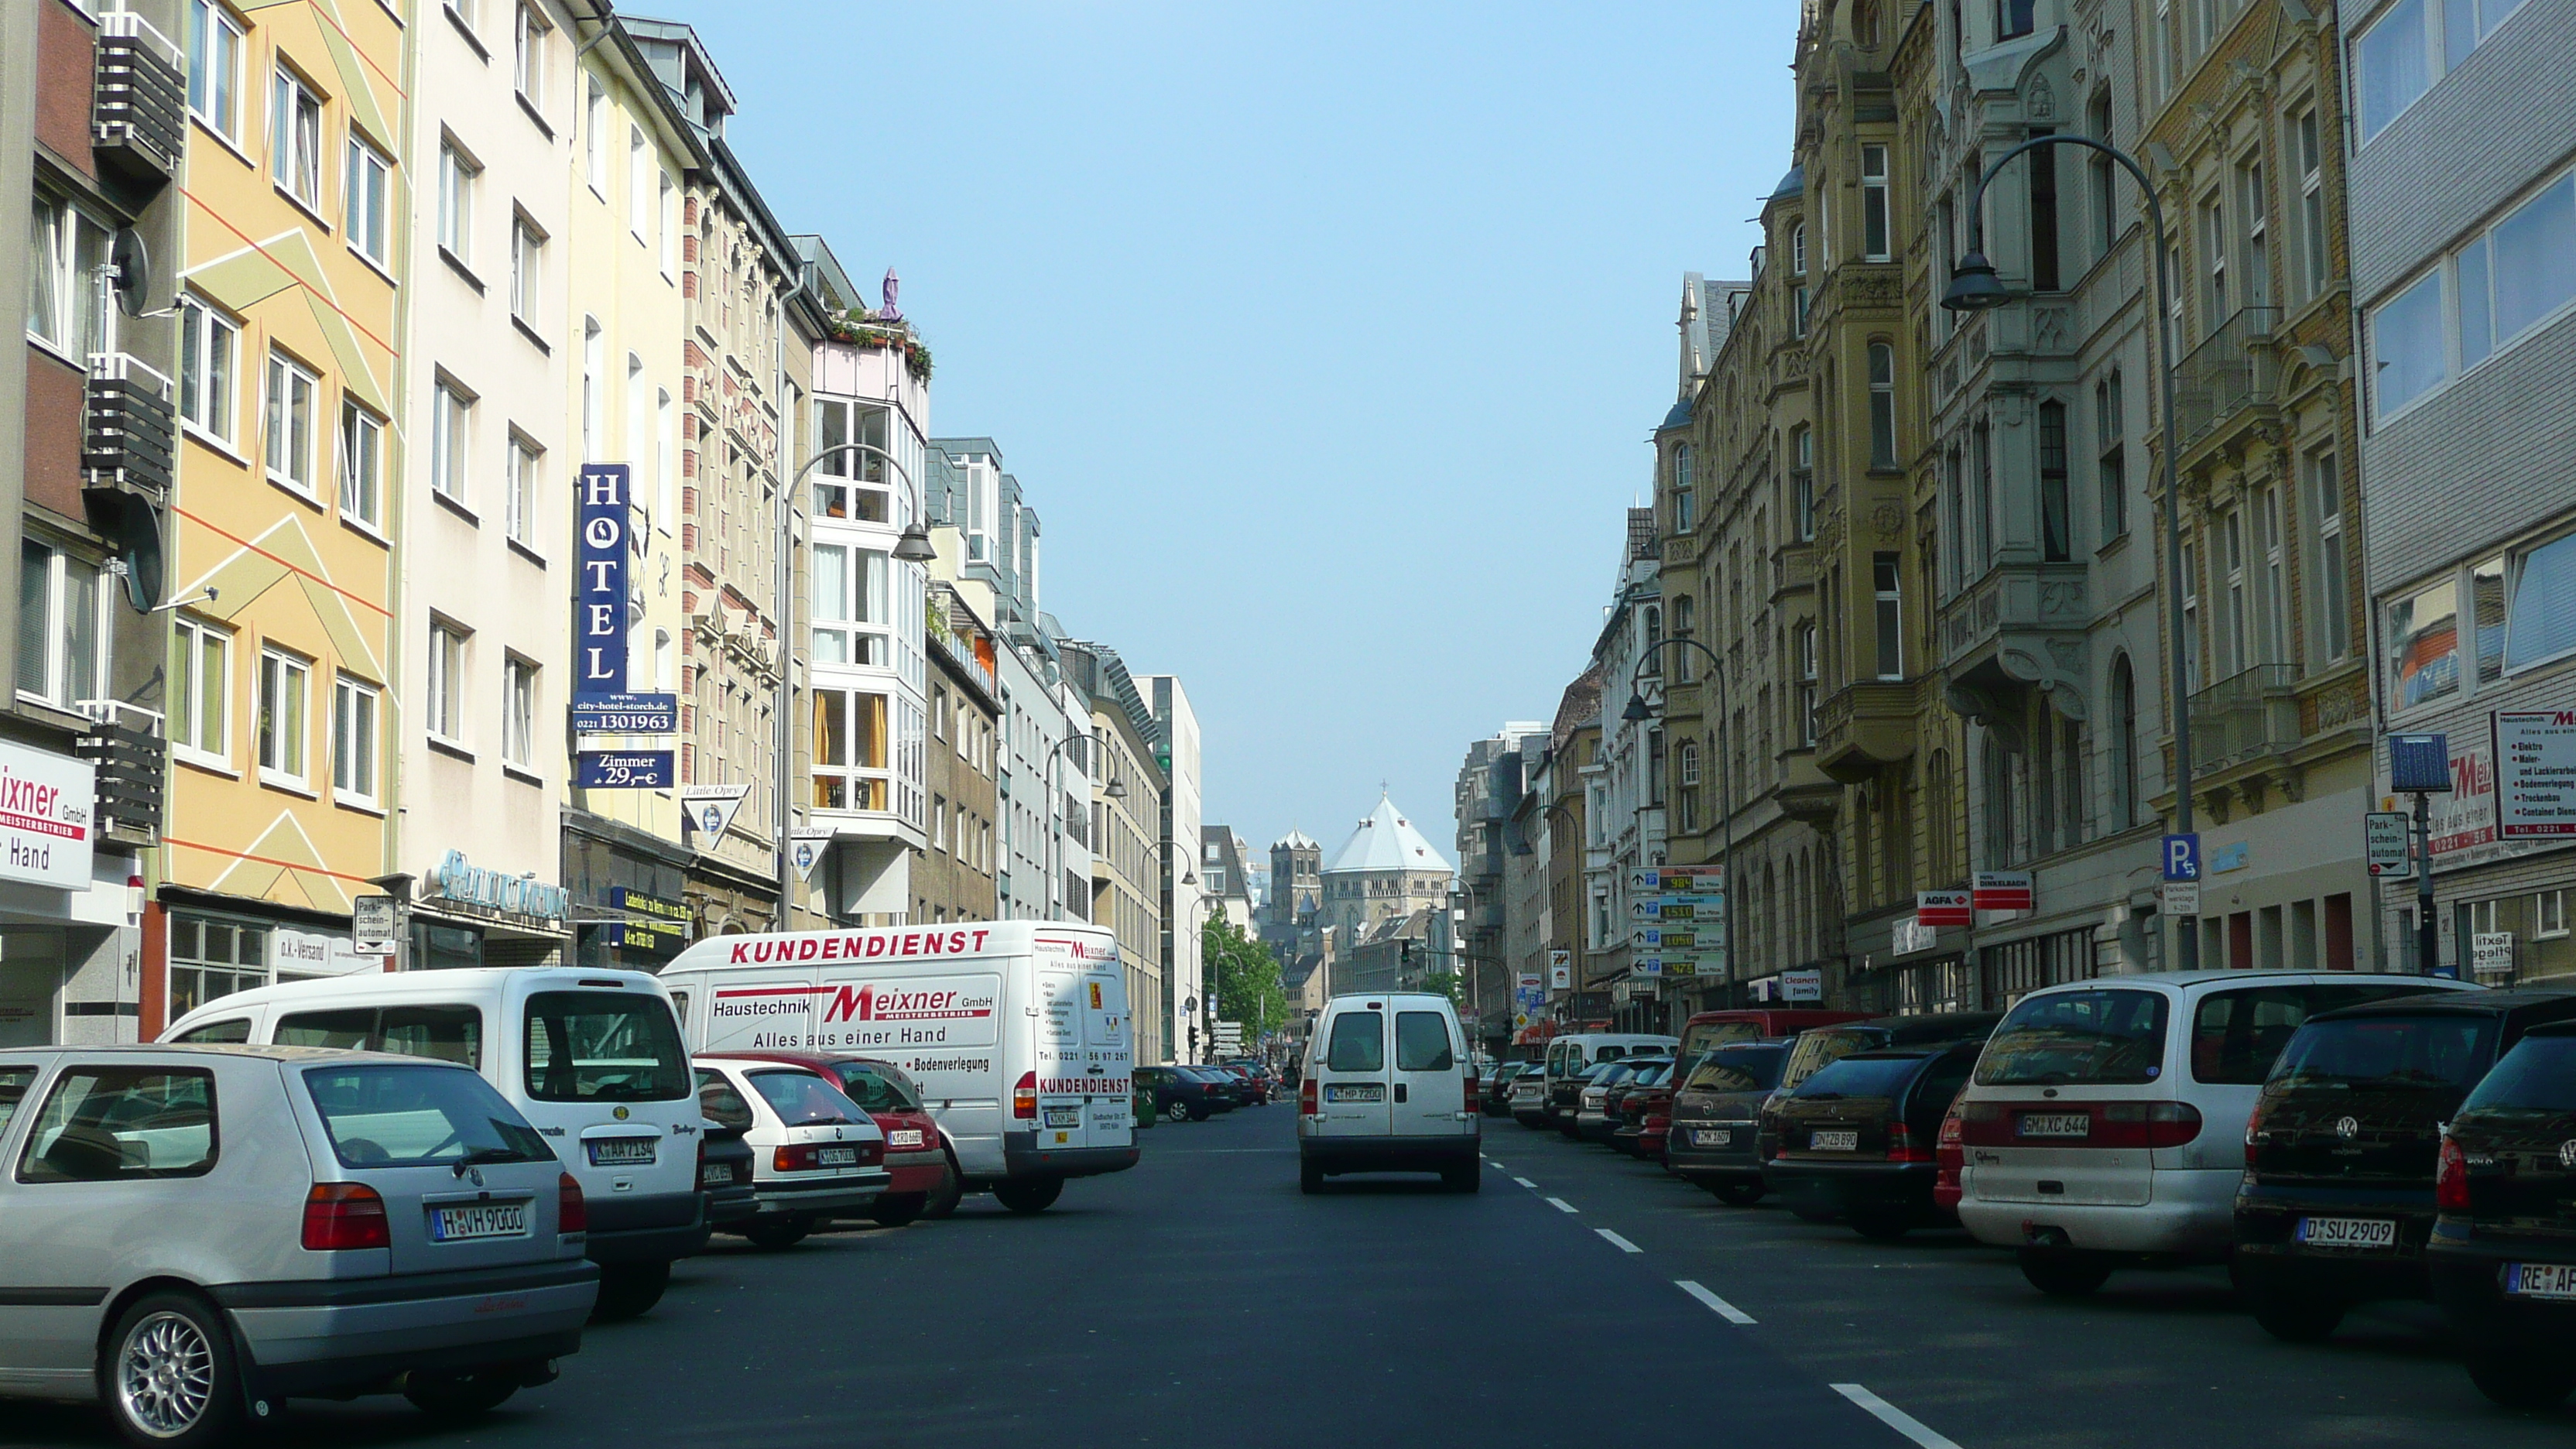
x: 604, y: 1046
x: 1422, y: 1043
x: 2388, y: 1052
x: 2106, y: 1036
x: 406, y: 1116
x: 1358, y: 1043
x: 441, y: 1033
x: 2236, y: 1036
x: 2538, y: 1075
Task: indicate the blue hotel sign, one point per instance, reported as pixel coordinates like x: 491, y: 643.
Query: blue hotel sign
x: 599, y: 588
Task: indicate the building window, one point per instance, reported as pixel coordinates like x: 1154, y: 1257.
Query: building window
x: 2253, y: 246
x: 2013, y: 18
x: 518, y: 713
x: 1686, y: 770
x: 201, y: 689
x: 210, y: 959
x: 2043, y: 216
x: 2213, y: 255
x: 284, y: 680
x: 287, y: 445
x: 851, y: 617
x: 1798, y: 299
x: 2233, y: 630
x: 353, y: 741
x: 527, y: 271
x: 1981, y: 505
x: 2191, y: 615
x: 528, y: 62
x: 2101, y: 176
x: 2056, y: 529
x: 851, y: 484
x: 2407, y: 350
x: 62, y: 648
x: 208, y: 343
x: 1798, y: 249
x: 2124, y: 745
x: 370, y: 183
x: 65, y: 305
x: 2549, y: 914
x: 2424, y: 644
x: 2307, y: 153
x: 362, y: 464
x: 445, y: 717
x: 2333, y: 632
x: 1802, y: 481
x: 519, y: 485
x: 639, y: 194
x: 2541, y: 626
x: 594, y: 137
x: 214, y: 66
x: 2110, y: 438
x: 1874, y: 225
x: 851, y: 755
x: 1807, y: 663
x: 1682, y: 482
x: 295, y: 139
x: 665, y: 481
x: 451, y: 438
x: 1890, y: 621
x: 2409, y: 48
x: 1882, y: 405
x: 2271, y: 584
x: 669, y: 217
x: 457, y: 174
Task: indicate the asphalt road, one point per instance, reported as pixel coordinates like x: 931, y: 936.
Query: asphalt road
x: 1201, y: 1299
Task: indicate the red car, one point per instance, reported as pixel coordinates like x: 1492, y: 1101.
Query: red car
x: 925, y: 1180
x: 1257, y: 1080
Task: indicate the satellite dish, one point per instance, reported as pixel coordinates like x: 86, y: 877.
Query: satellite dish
x: 133, y: 263
x: 133, y: 530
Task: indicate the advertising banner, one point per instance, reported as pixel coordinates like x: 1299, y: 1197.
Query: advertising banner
x: 2535, y: 752
x: 1560, y: 970
x: 1936, y: 909
x: 1808, y: 985
x: 625, y: 769
x: 2001, y: 890
x: 46, y: 820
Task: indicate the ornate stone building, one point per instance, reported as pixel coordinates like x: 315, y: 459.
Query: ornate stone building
x: 1385, y: 869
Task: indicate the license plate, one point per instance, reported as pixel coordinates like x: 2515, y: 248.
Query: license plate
x: 1355, y: 1092
x: 2348, y: 1232
x: 1712, y: 1136
x: 1834, y: 1141
x: 621, y: 1151
x: 838, y: 1157
x: 715, y: 1174
x: 904, y: 1137
x: 2540, y: 1280
x: 1064, y: 1116
x: 2055, y: 1124
x: 479, y: 1220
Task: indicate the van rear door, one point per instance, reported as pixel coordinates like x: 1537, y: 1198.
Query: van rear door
x: 1061, y: 1068
x: 1430, y: 1088
x: 1352, y: 1081
x: 1109, y: 1096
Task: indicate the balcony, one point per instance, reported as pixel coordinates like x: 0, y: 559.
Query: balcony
x: 126, y: 747
x: 139, y: 100
x: 2234, y: 369
x: 1863, y: 726
x: 2248, y: 717
x: 129, y: 431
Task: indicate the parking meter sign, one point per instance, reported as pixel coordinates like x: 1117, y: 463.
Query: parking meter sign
x: 2384, y: 836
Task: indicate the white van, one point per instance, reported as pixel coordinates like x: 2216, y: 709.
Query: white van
x: 1017, y: 1032
x: 591, y: 1058
x: 2105, y: 1124
x: 1388, y: 1088
x: 1570, y: 1056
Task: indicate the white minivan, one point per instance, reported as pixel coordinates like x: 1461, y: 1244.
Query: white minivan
x: 1388, y: 1088
x: 1570, y: 1056
x: 1017, y: 1032
x: 592, y: 1058
x: 2105, y: 1124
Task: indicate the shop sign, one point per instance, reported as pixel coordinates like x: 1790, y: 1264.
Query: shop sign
x: 653, y: 924
x: 1807, y: 985
x: 599, y: 582
x: 2179, y: 898
x: 2535, y: 752
x: 806, y: 846
x: 1912, y: 935
x: 516, y: 895
x: 1935, y: 909
x: 2463, y: 821
x: 1560, y: 970
x: 313, y: 953
x: 625, y: 769
x: 46, y: 805
x: 2491, y: 953
x: 710, y: 808
x: 2001, y: 890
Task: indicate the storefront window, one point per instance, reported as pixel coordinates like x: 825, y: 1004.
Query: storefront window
x: 211, y: 958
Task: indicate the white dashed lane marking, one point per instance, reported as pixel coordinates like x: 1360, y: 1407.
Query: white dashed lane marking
x: 1616, y: 1241
x: 1525, y: 1182
x: 1561, y: 1205
x: 1895, y: 1418
x: 1717, y: 1305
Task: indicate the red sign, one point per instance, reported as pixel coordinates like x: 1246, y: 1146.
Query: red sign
x: 1935, y: 909
x: 2002, y: 890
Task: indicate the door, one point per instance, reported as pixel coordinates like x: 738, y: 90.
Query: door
x: 1351, y: 1088
x: 1063, y: 1001
x: 1109, y: 1106
x: 1430, y: 1088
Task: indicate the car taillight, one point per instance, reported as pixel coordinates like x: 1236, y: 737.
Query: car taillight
x: 2254, y: 1137
x: 2145, y: 1124
x: 1473, y: 1090
x: 872, y: 1154
x: 1901, y: 1146
x: 572, y: 1210
x: 339, y: 1216
x: 796, y: 1157
x: 1306, y: 1096
x: 2451, y: 1187
x: 1952, y: 1155
x: 1024, y: 1097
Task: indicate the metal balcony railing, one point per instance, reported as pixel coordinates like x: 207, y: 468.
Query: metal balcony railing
x: 139, y: 98
x: 2232, y: 369
x: 2244, y: 717
x: 129, y: 429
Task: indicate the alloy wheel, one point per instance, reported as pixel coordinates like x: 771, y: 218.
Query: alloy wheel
x: 165, y: 1375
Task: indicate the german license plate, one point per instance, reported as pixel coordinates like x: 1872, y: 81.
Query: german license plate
x: 1064, y: 1116
x: 2054, y: 1124
x: 2348, y: 1232
x: 479, y: 1220
x: 2540, y: 1280
x: 1355, y: 1092
x: 904, y: 1137
x: 715, y: 1174
x: 621, y: 1151
x: 1712, y: 1136
x: 1834, y: 1141
x: 838, y: 1156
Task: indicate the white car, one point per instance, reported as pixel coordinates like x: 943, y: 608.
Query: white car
x: 1387, y: 1088
x: 815, y: 1154
x: 2105, y: 1124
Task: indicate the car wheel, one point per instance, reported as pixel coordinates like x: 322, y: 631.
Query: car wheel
x: 776, y: 1235
x: 1882, y: 1227
x: 1468, y: 1178
x: 1814, y: 1215
x: 2062, y: 1274
x: 629, y: 1290
x: 1737, y: 1194
x: 2519, y: 1378
x: 894, y: 1209
x: 458, y: 1395
x: 1310, y: 1177
x: 945, y: 1197
x: 2292, y: 1316
x: 170, y: 1381
x: 1033, y: 1195
x: 1177, y: 1112
x: 1197, y: 1114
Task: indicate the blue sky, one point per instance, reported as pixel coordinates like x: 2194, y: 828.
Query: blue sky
x: 1325, y: 338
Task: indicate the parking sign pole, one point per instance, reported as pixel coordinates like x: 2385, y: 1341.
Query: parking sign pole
x: 2427, y: 935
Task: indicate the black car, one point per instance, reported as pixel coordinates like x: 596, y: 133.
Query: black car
x: 1496, y: 1099
x: 1857, y: 1139
x: 1231, y: 1087
x: 1565, y: 1095
x: 724, y: 1172
x: 1815, y: 1047
x: 1644, y: 1073
x: 2344, y: 1144
x: 1715, y: 1112
x: 2503, y: 1251
x: 1181, y: 1098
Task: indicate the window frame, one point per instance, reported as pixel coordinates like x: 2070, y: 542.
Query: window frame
x: 520, y: 713
x: 459, y: 175
x: 1877, y: 212
x: 527, y: 271
x: 284, y: 758
x: 193, y: 639
x: 362, y: 497
x: 522, y: 478
x: 451, y: 438
x: 295, y: 146
x: 60, y: 584
x: 529, y: 34
x: 2517, y: 564
x: 446, y: 667
x: 356, y: 707
x: 223, y: 89
x: 81, y: 322
x: 2331, y: 577
x: 367, y: 192
x: 296, y: 476
x: 198, y: 324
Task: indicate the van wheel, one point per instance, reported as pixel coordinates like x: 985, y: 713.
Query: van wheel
x: 168, y: 1378
x: 2520, y: 1379
x: 1310, y: 1177
x: 777, y: 1234
x: 2293, y: 1317
x: 894, y: 1209
x: 2061, y: 1274
x: 1179, y: 1111
x: 629, y: 1290
x: 458, y: 1395
x: 945, y: 1197
x: 1737, y: 1194
x: 1030, y: 1195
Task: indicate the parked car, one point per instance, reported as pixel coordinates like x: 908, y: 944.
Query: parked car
x: 2105, y: 1123
x: 1643, y: 1113
x: 254, y: 1223
x: 1225, y: 1090
x: 1585, y: 1121
x: 1178, y: 1097
x: 1638, y: 1073
x: 1817, y: 1048
x: 815, y: 1154
x: 725, y: 1174
x: 1529, y: 1098
x: 1253, y: 1091
x: 1857, y: 1138
x: 1569, y: 1057
x: 922, y: 1179
x: 1716, y: 1116
x: 1386, y: 1091
x: 2502, y: 1256
x: 1264, y: 1085
x: 1495, y: 1100
x: 2345, y: 1143
x: 1706, y: 1031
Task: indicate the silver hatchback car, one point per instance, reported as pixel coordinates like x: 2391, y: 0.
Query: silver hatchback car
x: 190, y: 1234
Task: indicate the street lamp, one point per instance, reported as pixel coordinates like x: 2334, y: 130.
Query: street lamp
x: 912, y: 547
x: 1974, y: 287
x: 1638, y: 710
x: 1582, y: 923
x: 1116, y: 789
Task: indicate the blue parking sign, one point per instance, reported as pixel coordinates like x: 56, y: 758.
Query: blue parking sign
x: 2182, y: 857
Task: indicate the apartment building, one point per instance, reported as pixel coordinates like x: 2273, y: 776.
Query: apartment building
x: 954, y: 879
x: 1186, y: 898
x: 1624, y: 783
x: 1490, y: 788
x: 1125, y: 835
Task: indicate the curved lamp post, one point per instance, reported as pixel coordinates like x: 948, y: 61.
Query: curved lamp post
x: 1974, y: 287
x: 1638, y: 710
x: 1116, y: 789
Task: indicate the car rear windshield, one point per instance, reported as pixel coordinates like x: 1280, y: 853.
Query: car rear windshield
x: 1739, y: 1069
x: 877, y: 1088
x: 1652, y: 1074
x: 2236, y: 1036
x: 604, y: 1046
x: 2538, y: 1075
x: 1860, y: 1076
x: 2104, y: 1036
x: 1708, y: 1036
x: 803, y: 1099
x: 2395, y: 1052
x: 1358, y: 1043
x: 1422, y: 1042
x: 406, y: 1116
x: 1815, y: 1048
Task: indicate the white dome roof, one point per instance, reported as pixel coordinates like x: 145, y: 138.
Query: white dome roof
x: 1386, y: 841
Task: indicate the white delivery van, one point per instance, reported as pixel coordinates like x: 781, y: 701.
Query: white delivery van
x: 1017, y: 1032
x: 1388, y: 1088
x: 591, y: 1058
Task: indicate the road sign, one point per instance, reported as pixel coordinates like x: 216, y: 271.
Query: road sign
x: 1935, y: 909
x: 376, y: 923
x: 2001, y: 890
x: 2535, y: 754
x: 2182, y: 858
x: 626, y: 714
x: 2384, y: 836
x: 625, y: 769
x: 2179, y: 898
x: 2419, y: 763
x: 1560, y: 970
